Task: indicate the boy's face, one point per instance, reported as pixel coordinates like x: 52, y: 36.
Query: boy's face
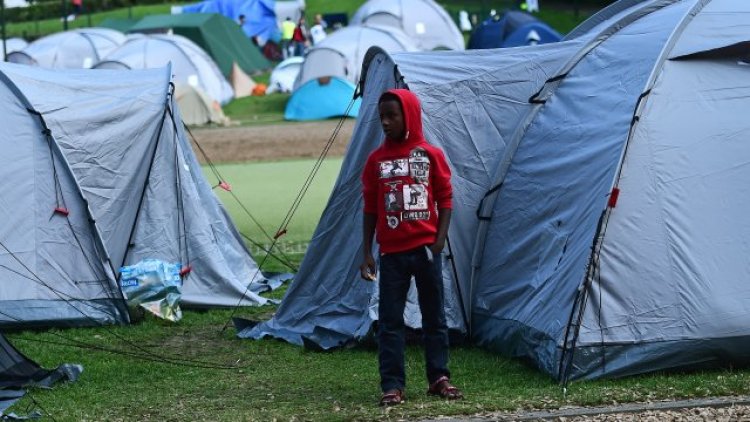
x: 392, y: 119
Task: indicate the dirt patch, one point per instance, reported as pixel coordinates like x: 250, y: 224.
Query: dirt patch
x: 272, y: 142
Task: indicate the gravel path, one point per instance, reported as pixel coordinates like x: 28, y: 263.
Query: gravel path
x: 722, y: 409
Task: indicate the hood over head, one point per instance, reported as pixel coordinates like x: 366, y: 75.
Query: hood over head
x: 412, y: 110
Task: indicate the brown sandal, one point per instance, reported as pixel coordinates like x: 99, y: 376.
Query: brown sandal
x: 392, y: 398
x: 444, y: 389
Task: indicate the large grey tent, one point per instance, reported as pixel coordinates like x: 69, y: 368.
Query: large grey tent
x: 599, y: 193
x: 98, y: 173
x: 424, y: 21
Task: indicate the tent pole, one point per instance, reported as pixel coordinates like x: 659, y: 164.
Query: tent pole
x: 467, y: 320
x: 64, y: 15
x: 2, y: 24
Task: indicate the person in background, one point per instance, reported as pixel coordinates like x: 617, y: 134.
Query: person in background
x: 241, y: 21
x: 406, y: 186
x: 287, y: 32
x: 300, y: 38
x: 77, y: 7
x: 318, y: 31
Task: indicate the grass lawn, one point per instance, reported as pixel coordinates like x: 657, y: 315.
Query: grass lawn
x: 272, y: 380
x: 267, y: 190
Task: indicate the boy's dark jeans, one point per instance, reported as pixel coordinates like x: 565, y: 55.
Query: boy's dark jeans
x: 395, y: 275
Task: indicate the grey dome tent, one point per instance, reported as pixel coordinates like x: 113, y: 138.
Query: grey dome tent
x: 424, y: 21
x: 191, y: 65
x: 98, y: 174
x: 74, y: 49
x: 599, y: 226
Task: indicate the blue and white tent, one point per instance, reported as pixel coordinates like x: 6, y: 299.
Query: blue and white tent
x: 512, y: 29
x: 599, y: 222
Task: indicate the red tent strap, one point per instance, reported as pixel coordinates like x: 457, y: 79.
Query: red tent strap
x: 62, y: 211
x: 186, y: 270
x: 226, y: 186
x: 279, y: 234
x: 613, y: 196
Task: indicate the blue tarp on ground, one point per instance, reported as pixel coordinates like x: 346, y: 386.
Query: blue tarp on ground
x: 322, y: 98
x: 260, y: 18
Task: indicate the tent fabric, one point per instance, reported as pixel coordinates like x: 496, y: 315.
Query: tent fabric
x: 75, y: 49
x: 322, y: 98
x: 191, y: 65
x: 118, y: 24
x: 551, y: 264
x: 283, y: 9
x: 197, y: 108
x: 15, y: 44
x: 425, y: 21
x: 260, y: 18
x: 283, y: 75
x: 338, y: 58
x: 341, y: 53
x: 242, y: 84
x: 217, y: 35
x: 18, y: 372
x: 512, y: 29
x: 115, y: 158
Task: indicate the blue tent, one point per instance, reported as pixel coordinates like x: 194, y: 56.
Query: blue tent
x: 512, y: 29
x: 322, y: 98
x: 260, y: 17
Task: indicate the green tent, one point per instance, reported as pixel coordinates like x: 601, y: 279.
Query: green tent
x: 221, y: 37
x: 118, y: 24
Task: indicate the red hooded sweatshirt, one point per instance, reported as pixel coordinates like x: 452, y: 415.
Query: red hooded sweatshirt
x: 405, y: 182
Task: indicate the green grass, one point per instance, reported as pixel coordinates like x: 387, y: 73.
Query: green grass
x: 33, y: 30
x: 272, y: 380
x: 253, y: 110
x: 267, y: 190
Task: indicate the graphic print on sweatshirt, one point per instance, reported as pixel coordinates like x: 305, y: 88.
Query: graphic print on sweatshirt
x: 406, y: 201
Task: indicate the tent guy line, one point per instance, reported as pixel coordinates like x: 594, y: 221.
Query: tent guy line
x: 298, y: 200
x: 145, y: 355
x: 222, y: 183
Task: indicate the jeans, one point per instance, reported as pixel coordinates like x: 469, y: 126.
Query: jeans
x: 396, y: 271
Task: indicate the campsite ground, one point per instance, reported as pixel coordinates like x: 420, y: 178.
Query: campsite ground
x: 265, y: 142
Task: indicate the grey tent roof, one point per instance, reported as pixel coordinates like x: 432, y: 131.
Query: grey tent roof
x: 14, y: 44
x: 190, y: 64
x: 74, y: 49
x: 341, y: 54
x: 424, y: 21
x: 117, y: 159
x: 649, y: 98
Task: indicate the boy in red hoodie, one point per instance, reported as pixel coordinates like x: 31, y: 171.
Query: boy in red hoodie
x: 407, y: 202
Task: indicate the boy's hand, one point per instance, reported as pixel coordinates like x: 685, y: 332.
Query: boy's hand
x: 437, y: 247
x: 367, y: 269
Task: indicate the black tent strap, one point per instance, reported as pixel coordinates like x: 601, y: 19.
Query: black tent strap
x: 481, y: 202
x: 534, y: 99
x: 636, y: 118
x: 579, y: 304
